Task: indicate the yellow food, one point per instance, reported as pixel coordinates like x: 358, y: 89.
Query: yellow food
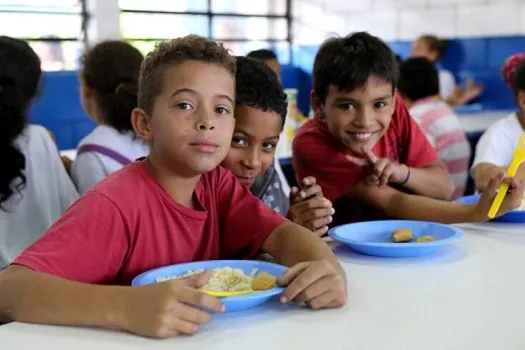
x: 264, y: 281
x: 424, y: 239
x: 402, y: 235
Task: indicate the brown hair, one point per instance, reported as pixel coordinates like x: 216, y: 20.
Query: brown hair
x: 170, y: 53
x: 434, y: 44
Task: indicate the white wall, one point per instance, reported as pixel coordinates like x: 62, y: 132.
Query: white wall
x: 406, y: 19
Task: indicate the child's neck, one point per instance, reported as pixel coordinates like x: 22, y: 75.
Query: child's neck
x: 180, y: 188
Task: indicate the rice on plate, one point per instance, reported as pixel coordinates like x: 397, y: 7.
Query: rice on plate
x: 223, y: 279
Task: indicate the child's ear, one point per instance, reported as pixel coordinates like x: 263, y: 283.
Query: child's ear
x: 316, y: 104
x: 141, y: 122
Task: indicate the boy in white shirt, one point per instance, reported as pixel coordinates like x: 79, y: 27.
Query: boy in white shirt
x: 495, y: 148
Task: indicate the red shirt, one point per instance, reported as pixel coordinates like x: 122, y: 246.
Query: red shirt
x: 316, y: 152
x: 129, y: 224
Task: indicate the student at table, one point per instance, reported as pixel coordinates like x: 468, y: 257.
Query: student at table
x: 370, y: 157
x: 34, y: 186
x: 177, y: 205
x: 432, y: 48
x: 496, y: 146
x: 419, y: 87
x: 260, y: 112
x: 108, y: 91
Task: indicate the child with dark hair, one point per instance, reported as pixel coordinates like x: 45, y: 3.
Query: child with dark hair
x: 419, y: 87
x: 177, y: 205
x: 260, y: 112
x: 109, y: 79
x: 496, y: 146
x: 269, y: 58
x: 432, y: 48
x: 370, y: 157
x: 34, y: 186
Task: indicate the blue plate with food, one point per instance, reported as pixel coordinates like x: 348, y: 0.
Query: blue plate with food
x: 396, y: 238
x: 517, y: 215
x: 241, y: 284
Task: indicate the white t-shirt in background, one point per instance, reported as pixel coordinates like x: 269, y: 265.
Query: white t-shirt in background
x: 48, y: 193
x: 447, y: 84
x: 497, y: 144
x: 91, y: 167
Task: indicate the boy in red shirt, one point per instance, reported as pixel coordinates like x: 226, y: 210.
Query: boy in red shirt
x: 175, y: 206
x: 370, y: 158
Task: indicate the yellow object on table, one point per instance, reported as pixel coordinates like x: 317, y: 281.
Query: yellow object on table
x: 519, y: 157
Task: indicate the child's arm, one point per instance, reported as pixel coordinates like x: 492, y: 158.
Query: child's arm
x: 316, y: 277
x: 483, y: 172
x: 159, y: 310
x: 397, y: 204
x: 432, y: 181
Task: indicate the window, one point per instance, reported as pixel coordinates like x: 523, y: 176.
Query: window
x: 54, y: 28
x: 240, y: 24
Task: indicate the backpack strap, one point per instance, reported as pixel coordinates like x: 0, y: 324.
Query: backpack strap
x: 87, y: 148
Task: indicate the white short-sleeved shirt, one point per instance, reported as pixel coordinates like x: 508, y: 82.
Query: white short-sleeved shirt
x: 48, y: 193
x: 496, y: 146
x: 91, y: 167
x: 447, y: 84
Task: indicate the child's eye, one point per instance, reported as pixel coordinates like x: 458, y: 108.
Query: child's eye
x: 346, y: 106
x: 268, y: 146
x: 380, y: 104
x: 222, y: 110
x: 238, y: 141
x: 184, y: 106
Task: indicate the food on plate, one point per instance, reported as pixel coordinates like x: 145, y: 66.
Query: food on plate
x: 424, y: 239
x: 402, y: 235
x: 228, y: 279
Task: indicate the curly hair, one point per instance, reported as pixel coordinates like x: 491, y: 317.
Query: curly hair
x: 20, y: 74
x: 173, y: 52
x: 257, y: 86
x: 111, y: 69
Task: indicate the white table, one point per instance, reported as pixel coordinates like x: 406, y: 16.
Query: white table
x: 470, y: 296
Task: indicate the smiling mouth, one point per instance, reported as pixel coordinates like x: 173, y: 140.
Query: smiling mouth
x: 362, y: 136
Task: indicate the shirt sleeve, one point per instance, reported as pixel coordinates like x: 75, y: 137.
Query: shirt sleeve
x: 495, y: 147
x: 87, y: 171
x: 313, y: 156
x: 87, y: 244
x: 246, y: 222
x: 419, y: 153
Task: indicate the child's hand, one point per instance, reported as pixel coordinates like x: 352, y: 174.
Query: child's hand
x: 382, y: 170
x: 511, y: 201
x: 309, y: 208
x: 170, y: 308
x: 319, y: 284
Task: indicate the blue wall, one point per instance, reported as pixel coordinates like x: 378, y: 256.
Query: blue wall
x: 60, y: 111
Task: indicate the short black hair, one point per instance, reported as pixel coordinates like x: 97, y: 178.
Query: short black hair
x: 518, y: 81
x: 262, y: 54
x: 348, y: 62
x: 111, y: 69
x: 418, y: 78
x: 257, y: 86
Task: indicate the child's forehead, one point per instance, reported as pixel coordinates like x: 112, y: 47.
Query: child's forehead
x: 211, y: 76
x: 374, y: 87
x: 248, y: 117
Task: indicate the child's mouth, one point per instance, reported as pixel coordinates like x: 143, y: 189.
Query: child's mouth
x: 361, y: 136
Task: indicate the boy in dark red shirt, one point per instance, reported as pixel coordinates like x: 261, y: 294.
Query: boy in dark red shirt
x: 175, y: 206
x: 370, y: 158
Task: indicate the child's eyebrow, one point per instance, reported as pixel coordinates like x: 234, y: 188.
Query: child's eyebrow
x: 239, y: 131
x: 383, y: 97
x: 226, y: 97
x: 193, y: 92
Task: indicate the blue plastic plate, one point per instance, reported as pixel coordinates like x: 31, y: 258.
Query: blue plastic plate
x: 375, y: 237
x: 511, y: 216
x: 233, y: 303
